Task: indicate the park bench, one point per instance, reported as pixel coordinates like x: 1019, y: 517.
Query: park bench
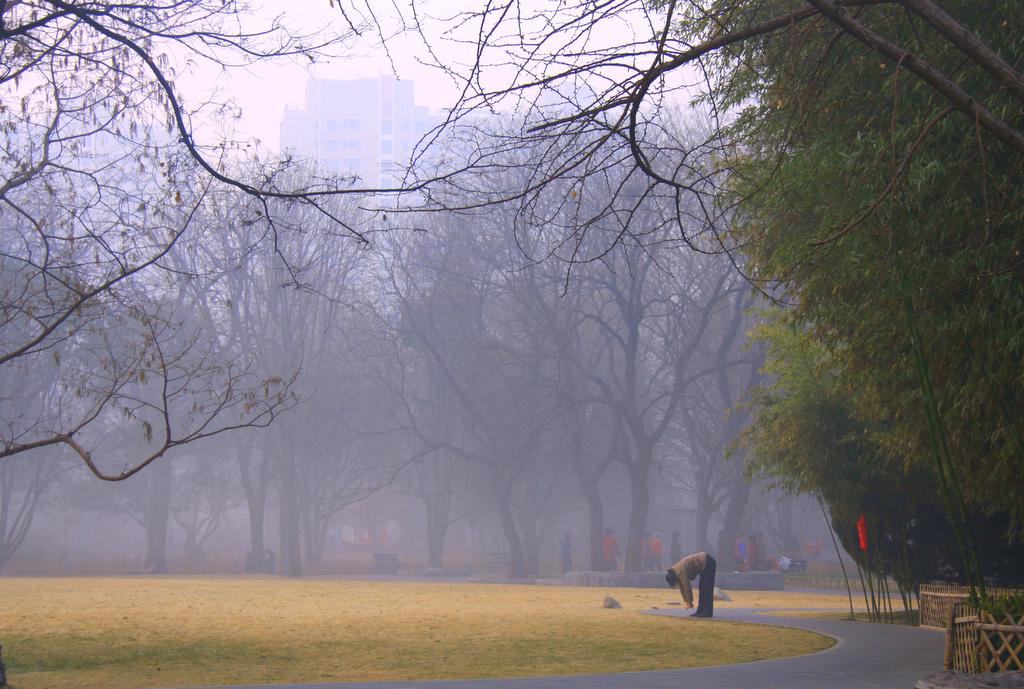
x: 497, y: 563
x: 386, y: 563
x: 798, y: 566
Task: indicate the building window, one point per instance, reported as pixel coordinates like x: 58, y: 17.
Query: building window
x: 386, y: 146
x: 386, y: 127
x: 350, y: 124
x: 351, y: 143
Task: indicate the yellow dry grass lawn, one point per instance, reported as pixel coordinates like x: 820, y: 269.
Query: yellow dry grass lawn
x: 112, y: 633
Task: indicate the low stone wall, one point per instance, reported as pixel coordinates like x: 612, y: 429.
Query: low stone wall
x: 736, y: 581
x: 751, y: 581
x: 442, y: 573
x: 638, y: 580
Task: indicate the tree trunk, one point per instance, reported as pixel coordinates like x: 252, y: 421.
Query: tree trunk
x: 738, y: 496
x: 15, y: 520
x: 640, y: 503
x: 531, y: 545
x: 704, y: 509
x: 257, y: 540
x: 312, y: 544
x: 702, y: 521
x: 517, y: 563
x: 157, y: 516
x: 256, y: 501
x: 595, y: 509
x: 288, y: 504
x: 437, y: 529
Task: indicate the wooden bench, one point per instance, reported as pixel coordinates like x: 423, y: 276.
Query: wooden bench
x: 386, y: 563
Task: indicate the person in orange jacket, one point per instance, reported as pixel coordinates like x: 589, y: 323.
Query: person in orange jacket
x: 656, y: 550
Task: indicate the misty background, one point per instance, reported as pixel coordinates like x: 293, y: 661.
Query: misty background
x: 455, y: 392
x: 308, y: 383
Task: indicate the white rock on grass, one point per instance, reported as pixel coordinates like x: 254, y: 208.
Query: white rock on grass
x: 721, y: 595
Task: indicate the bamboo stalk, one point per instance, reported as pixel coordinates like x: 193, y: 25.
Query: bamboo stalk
x: 1013, y: 628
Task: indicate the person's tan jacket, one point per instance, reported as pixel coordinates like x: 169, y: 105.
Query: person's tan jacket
x: 686, y: 570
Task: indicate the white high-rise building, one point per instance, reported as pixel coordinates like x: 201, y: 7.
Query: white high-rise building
x: 365, y: 127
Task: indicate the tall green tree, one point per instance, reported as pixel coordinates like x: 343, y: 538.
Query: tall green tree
x: 890, y: 222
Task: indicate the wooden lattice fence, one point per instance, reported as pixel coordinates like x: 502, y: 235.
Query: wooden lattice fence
x: 936, y: 601
x: 1002, y: 643
x: 961, y: 638
x: 978, y: 642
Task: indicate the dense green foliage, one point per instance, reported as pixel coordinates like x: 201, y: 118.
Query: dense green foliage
x: 1002, y: 606
x: 809, y: 439
x: 859, y: 191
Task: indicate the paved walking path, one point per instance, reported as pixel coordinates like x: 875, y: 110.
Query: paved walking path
x: 867, y: 656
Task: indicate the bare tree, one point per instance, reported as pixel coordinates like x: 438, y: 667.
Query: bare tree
x: 655, y: 311
x: 708, y: 424
x: 202, y: 494
x: 22, y: 485
x: 101, y: 177
x: 290, y: 297
x: 462, y: 329
x: 600, y: 85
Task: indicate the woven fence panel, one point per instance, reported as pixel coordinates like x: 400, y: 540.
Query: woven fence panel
x: 962, y: 639
x: 1000, y: 643
x: 937, y: 600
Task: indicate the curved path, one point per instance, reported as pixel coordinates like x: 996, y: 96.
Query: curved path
x: 867, y: 656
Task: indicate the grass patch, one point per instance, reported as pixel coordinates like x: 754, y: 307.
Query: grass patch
x: 111, y: 633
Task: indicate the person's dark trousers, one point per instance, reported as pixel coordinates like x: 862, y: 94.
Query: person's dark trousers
x: 706, y: 592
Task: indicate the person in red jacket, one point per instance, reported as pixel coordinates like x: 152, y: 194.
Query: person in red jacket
x: 610, y: 545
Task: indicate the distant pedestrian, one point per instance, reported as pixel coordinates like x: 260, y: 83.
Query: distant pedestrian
x: 610, y: 546
x: 675, y: 548
x: 656, y: 550
x: 685, y: 571
x: 740, y: 554
x: 754, y: 553
x: 566, y: 554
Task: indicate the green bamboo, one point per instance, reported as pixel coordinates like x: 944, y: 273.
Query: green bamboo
x: 876, y: 615
x: 835, y: 544
x: 951, y: 493
x: 947, y: 473
x: 863, y: 587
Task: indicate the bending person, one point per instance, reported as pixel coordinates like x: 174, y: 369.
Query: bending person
x: 684, y: 571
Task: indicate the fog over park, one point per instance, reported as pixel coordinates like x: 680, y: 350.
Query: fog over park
x: 295, y: 289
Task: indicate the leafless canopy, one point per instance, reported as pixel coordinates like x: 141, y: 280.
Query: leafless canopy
x: 591, y: 85
x: 102, y: 175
